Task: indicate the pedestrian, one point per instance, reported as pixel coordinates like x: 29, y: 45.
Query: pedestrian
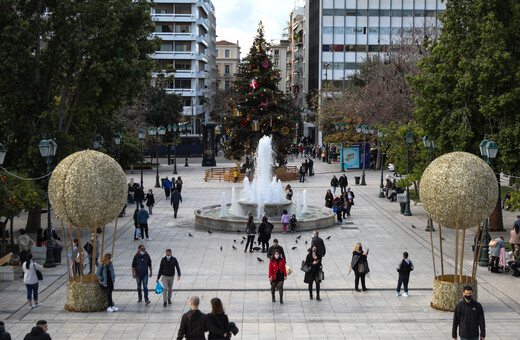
x: 329, y: 198
x: 514, y: 237
x: 302, y: 173
x: 288, y: 192
x: 150, y: 201
x: 235, y: 176
x: 495, y: 253
x: 343, y: 182
x: 141, y: 264
x: 138, y: 196
x: 30, y: 278
x: 318, y: 243
x: 175, y: 200
x: 293, y: 222
x: 219, y: 319
x: 404, y: 268
x: 57, y: 247
x: 285, y: 220
x: 25, y: 244
x: 39, y: 332
x: 359, y: 264
x: 468, y: 317
x: 334, y: 184
x: 41, y: 239
x: 277, y: 274
x: 77, y: 254
x: 311, y: 166
x: 3, y: 334
x: 107, y: 277
x: 89, y: 248
x: 142, y: 220
x: 517, y: 221
x: 337, y: 207
x: 178, y: 184
x: 136, y: 225
x: 313, y: 260
x: 167, y: 270
x: 264, y: 233
x: 349, y: 201
x: 251, y: 232
x: 306, y: 163
x: 194, y: 323
x: 514, y: 265
x: 167, y: 186
x: 276, y: 247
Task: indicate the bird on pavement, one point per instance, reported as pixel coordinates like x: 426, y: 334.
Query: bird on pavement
x: 242, y: 242
x: 220, y: 248
x: 235, y: 241
x: 210, y: 232
x: 294, y: 248
x: 306, y: 242
x: 413, y: 226
x: 243, y: 237
x: 238, y: 231
x: 299, y: 237
x: 328, y: 238
x: 296, y: 241
x: 190, y: 235
x: 256, y: 248
x: 259, y: 259
x: 235, y: 248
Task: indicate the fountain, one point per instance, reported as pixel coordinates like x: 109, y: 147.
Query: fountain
x: 263, y: 196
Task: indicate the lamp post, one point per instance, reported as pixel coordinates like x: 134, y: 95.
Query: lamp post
x: 141, y: 134
x: 430, y: 145
x: 3, y: 151
x: 488, y: 150
x: 365, y: 130
x: 409, y: 140
x: 47, y: 151
x: 341, y: 126
x: 117, y: 141
x: 97, y: 142
x: 381, y: 135
x: 160, y: 131
x: 175, y: 130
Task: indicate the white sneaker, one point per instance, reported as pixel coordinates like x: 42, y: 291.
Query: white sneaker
x: 405, y: 294
x: 148, y: 239
x: 115, y: 309
x: 37, y: 305
x: 110, y: 309
x: 397, y: 294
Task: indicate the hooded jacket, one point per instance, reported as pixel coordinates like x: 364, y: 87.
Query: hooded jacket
x: 194, y: 325
x: 3, y: 334
x: 37, y: 333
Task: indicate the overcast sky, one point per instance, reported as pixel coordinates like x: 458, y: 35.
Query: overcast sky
x: 238, y: 19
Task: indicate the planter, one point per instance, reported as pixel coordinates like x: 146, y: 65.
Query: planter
x: 447, y: 293
x: 86, y: 296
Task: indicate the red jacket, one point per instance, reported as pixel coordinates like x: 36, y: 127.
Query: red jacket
x: 274, y: 266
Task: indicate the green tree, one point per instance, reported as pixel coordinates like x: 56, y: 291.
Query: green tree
x: 257, y: 98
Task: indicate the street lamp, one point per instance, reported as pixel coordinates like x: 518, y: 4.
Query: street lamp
x: 488, y: 150
x: 3, y: 151
x: 175, y: 130
x: 153, y: 131
x: 381, y: 135
x: 141, y: 134
x: 409, y: 140
x: 365, y: 130
x: 47, y: 151
x: 430, y: 145
x: 341, y: 126
x: 117, y: 141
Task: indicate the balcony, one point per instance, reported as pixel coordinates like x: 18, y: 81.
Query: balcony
x: 174, y: 55
x: 204, y: 5
x: 170, y: 36
x: 204, y: 23
x: 203, y: 40
x: 173, y: 17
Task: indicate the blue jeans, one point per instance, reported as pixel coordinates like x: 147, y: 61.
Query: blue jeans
x: 90, y: 262
x: 32, y: 292
x: 138, y: 203
x: 144, y: 281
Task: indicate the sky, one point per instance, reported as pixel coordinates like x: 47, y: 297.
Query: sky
x: 238, y: 19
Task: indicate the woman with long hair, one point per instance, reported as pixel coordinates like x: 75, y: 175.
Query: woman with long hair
x: 313, y: 260
x: 288, y: 192
x: 251, y: 232
x: 219, y: 319
x: 329, y: 198
x: 106, y: 277
x: 30, y: 278
x: 277, y: 274
x: 359, y: 264
x: 515, y: 236
x: 150, y: 201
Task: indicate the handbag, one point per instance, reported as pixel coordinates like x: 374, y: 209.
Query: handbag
x: 158, y: 288
x: 493, y: 243
x: 335, y: 209
x: 39, y: 274
x: 305, y: 267
x: 233, y: 327
x: 288, y: 270
x: 322, y: 275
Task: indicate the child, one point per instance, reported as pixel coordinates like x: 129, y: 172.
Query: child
x: 285, y: 221
x: 404, y: 268
x: 293, y: 223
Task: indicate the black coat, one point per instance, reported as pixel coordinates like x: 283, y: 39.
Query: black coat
x: 265, y: 235
x: 320, y: 246
x: 334, y: 182
x: 37, y: 333
x: 220, y: 321
x: 194, y: 324
x: 343, y: 181
x: 139, y: 194
x: 469, y: 317
x: 3, y: 334
x: 150, y: 200
x: 357, y: 260
x: 167, y: 268
x: 273, y: 248
x: 328, y: 200
x: 310, y: 276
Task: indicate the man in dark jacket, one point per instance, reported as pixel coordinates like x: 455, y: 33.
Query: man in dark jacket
x: 303, y: 170
x: 194, y: 323
x: 311, y: 167
x: 142, y: 222
x: 3, y: 334
x: 138, y: 196
x: 175, y: 199
x: 274, y: 247
x: 343, y: 182
x: 264, y: 233
x: 140, y: 266
x: 39, y: 332
x: 404, y: 268
x: 167, y: 270
x: 318, y: 243
x: 468, y: 317
x: 167, y: 186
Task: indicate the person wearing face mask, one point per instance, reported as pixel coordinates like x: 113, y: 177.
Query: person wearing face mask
x: 359, y: 264
x: 150, y: 201
x: 106, y: 278
x: 468, y: 317
x: 313, y: 260
x: 141, y: 264
x: 167, y: 271
x: 277, y: 274
x: 89, y: 248
x: 349, y: 201
x: 318, y: 243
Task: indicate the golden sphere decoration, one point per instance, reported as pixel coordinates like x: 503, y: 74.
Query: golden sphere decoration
x: 458, y: 186
x: 88, y: 188
x: 285, y: 130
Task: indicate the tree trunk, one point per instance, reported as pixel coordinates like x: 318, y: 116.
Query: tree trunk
x: 4, y: 241
x: 34, y: 221
x: 495, y: 219
x: 11, y: 231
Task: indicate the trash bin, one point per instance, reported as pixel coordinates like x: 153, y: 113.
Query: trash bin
x: 403, y: 206
x: 357, y: 179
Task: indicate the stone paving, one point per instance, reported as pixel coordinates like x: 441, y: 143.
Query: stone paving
x: 240, y: 280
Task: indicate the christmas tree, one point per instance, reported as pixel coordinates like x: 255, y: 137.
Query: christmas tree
x: 257, y: 107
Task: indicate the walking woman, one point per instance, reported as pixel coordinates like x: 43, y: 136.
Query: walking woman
x: 30, y: 278
x: 288, y: 192
x: 338, y: 208
x: 106, y: 277
x: 150, y: 201
x: 178, y: 184
x: 313, y: 260
x: 277, y: 274
x: 359, y: 264
x: 328, y: 199
x: 219, y: 319
x: 251, y: 232
x: 334, y: 183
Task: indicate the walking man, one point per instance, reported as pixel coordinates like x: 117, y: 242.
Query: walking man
x: 142, y: 221
x: 39, y: 332
x: 138, y: 196
x: 318, y: 243
x: 343, y: 182
x: 167, y: 186
x: 303, y: 170
x: 194, y: 323
x: 311, y: 166
x: 275, y: 247
x: 141, y: 264
x: 175, y: 200
x: 404, y: 268
x: 468, y: 317
x: 89, y: 248
x: 167, y: 270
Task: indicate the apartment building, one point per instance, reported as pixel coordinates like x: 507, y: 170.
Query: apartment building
x: 280, y: 62
x: 228, y: 60
x: 187, y: 29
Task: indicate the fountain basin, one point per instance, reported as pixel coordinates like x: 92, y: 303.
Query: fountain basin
x: 209, y: 218
x: 270, y: 209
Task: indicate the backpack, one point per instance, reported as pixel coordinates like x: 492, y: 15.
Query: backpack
x: 268, y: 228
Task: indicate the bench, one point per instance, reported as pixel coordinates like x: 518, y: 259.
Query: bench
x: 39, y: 253
x: 6, y: 272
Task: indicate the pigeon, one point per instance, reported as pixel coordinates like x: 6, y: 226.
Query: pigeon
x: 413, y: 226
x: 306, y: 242
x: 299, y: 237
x: 256, y: 248
x: 235, y: 241
x: 238, y: 231
x: 220, y: 248
x: 190, y: 235
x: 235, y: 248
x: 210, y: 232
x: 443, y: 239
x: 294, y: 248
x: 328, y: 238
x: 296, y: 241
x: 243, y: 237
x: 242, y: 242
x: 259, y: 259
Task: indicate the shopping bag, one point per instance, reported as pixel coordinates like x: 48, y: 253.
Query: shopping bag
x: 158, y: 288
x: 137, y: 232
x: 288, y: 270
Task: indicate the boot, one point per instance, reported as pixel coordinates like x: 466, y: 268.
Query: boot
x: 310, y: 292
x: 281, y: 294
x: 272, y: 293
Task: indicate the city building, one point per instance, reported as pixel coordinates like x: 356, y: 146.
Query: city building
x: 187, y: 29
x: 279, y: 56
x: 228, y: 59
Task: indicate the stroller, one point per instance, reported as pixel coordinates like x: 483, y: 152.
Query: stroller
x: 502, y: 263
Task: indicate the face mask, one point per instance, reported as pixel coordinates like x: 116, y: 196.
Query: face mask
x: 110, y: 260
x: 468, y: 297
x: 312, y: 236
x: 92, y: 238
x: 360, y: 248
x: 276, y: 256
x: 168, y: 257
x: 142, y: 252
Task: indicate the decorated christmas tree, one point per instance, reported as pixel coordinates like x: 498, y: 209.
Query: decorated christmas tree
x: 257, y: 107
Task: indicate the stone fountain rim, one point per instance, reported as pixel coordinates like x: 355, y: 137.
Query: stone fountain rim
x: 254, y: 204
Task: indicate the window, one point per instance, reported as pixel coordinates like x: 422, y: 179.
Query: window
x: 226, y: 69
x: 183, y: 83
x: 227, y: 53
x: 226, y: 85
x: 186, y: 101
x: 164, y: 27
x: 183, y: 27
x: 182, y: 65
x: 164, y: 9
x: 166, y: 47
x: 183, y: 9
x: 276, y: 53
x: 182, y: 46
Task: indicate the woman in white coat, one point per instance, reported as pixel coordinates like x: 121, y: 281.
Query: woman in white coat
x: 30, y: 278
